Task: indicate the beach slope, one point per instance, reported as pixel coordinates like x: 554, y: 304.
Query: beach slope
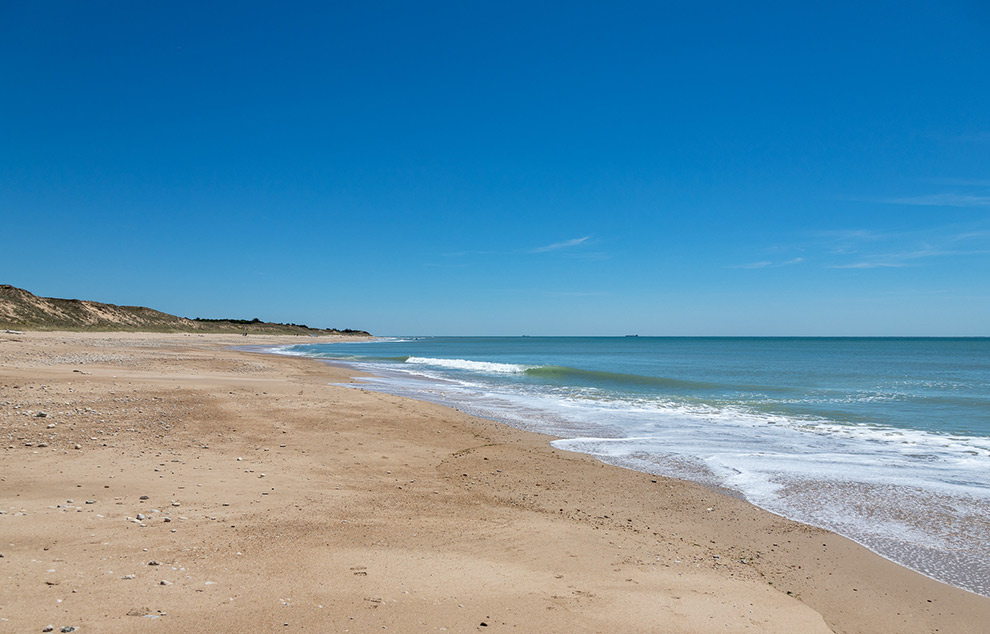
x: 171, y: 483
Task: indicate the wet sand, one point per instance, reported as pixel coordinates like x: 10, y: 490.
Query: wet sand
x: 177, y: 485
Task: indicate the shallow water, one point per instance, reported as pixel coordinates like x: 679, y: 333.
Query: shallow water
x: 886, y: 441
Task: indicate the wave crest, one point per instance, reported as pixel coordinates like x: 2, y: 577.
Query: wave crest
x: 474, y: 366
x: 598, y: 376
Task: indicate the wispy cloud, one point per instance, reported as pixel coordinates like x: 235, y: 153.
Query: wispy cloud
x: 956, y: 192
x: 868, y: 265
x: 883, y: 247
x: 561, y: 245
x: 906, y: 258
x: 947, y: 199
x: 855, y: 235
x: 576, y: 293
x: 961, y: 182
x: 766, y: 264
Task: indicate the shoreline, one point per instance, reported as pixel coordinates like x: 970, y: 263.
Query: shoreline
x: 873, y: 512
x: 950, y: 563
x: 375, y: 511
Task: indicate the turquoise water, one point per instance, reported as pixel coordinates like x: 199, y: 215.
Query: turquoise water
x: 886, y: 441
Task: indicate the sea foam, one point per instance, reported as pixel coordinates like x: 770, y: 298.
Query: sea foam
x: 883, y: 441
x: 473, y: 366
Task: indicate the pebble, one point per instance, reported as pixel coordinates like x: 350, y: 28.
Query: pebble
x: 41, y: 415
x: 48, y: 628
x: 68, y: 628
x: 90, y: 501
x: 129, y: 577
x: 164, y: 582
x: 143, y: 497
x: 77, y: 446
x: 154, y: 563
x: 140, y: 516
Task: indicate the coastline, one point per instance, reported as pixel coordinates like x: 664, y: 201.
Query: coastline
x: 377, y: 511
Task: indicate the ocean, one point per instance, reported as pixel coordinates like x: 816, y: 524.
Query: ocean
x: 883, y: 440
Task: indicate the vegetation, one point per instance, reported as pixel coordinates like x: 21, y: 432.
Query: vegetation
x: 21, y: 310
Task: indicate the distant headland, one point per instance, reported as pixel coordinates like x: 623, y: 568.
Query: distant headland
x: 22, y: 310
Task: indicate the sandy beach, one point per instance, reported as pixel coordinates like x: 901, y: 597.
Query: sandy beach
x: 170, y: 483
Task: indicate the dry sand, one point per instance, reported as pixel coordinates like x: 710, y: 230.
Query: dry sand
x: 273, y: 501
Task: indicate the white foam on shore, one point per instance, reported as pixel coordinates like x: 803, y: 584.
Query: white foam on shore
x: 473, y: 366
x: 907, y: 494
x: 281, y: 349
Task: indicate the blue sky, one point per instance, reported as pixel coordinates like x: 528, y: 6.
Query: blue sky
x: 567, y: 168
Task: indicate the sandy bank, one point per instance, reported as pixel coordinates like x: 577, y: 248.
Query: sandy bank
x: 270, y: 500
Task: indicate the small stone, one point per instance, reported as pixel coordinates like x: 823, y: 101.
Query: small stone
x: 143, y: 497
x: 129, y: 577
x: 68, y: 628
x: 140, y: 516
x: 48, y: 628
x: 90, y: 501
x: 164, y: 582
x: 154, y: 563
x: 167, y: 519
x: 51, y: 425
x: 77, y: 446
x: 41, y: 415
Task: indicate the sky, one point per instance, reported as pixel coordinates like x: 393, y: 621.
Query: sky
x: 505, y: 168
